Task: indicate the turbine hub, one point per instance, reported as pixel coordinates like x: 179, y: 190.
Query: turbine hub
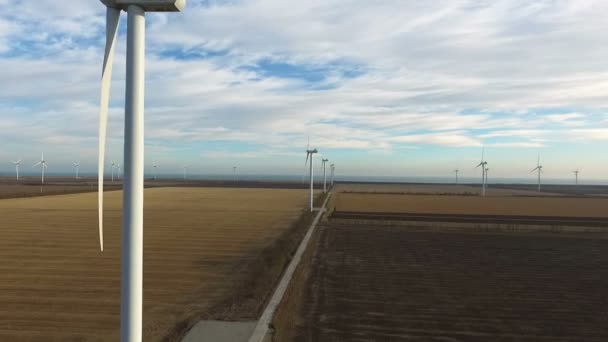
x: 148, y: 5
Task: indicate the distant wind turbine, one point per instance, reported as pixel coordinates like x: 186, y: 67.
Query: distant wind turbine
x: 456, y: 172
x: 324, y: 163
x: 76, y: 167
x: 186, y: 171
x: 333, y: 169
x: 309, y: 155
x: 113, y: 166
x: 43, y: 166
x: 575, y: 175
x: 17, y: 163
x: 155, y: 166
x: 539, y: 169
x: 118, y: 171
x: 483, y: 164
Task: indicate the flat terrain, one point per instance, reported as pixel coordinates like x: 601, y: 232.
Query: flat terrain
x: 55, y: 285
x: 381, y: 283
x: 446, y: 189
x: 474, y: 205
x: 31, y: 187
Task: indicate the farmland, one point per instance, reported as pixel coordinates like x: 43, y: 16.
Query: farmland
x: 476, y: 205
x: 199, y: 243
x: 373, y: 274
x: 366, y: 282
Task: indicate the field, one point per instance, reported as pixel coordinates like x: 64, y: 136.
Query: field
x: 474, y: 205
x: 364, y: 282
x: 55, y: 285
x: 31, y: 187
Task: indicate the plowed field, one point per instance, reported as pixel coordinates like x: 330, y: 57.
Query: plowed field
x: 380, y: 283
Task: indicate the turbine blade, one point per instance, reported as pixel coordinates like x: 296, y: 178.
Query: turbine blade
x: 306, y: 162
x: 38, y: 163
x: 112, y: 20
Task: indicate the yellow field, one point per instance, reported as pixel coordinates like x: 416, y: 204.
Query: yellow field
x: 434, y: 204
x: 55, y: 285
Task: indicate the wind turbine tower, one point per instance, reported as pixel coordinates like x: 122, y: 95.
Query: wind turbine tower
x: 17, y: 163
x: 133, y: 194
x: 487, y: 169
x: 324, y: 162
x: 76, y: 167
x: 539, y: 170
x: 113, y: 166
x: 309, y: 154
x: 456, y: 172
x: 575, y: 176
x: 332, y: 167
x: 186, y: 171
x: 43, y: 166
x: 155, y: 166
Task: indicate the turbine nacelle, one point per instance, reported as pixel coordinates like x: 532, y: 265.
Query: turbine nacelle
x: 148, y: 5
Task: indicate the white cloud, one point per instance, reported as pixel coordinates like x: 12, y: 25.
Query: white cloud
x: 452, y: 73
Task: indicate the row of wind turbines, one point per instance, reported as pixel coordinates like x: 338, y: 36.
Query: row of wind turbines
x: 484, y: 173
x: 310, y: 157
x: 76, y: 167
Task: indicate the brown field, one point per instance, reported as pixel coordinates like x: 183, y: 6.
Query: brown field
x: 442, y: 189
x: 474, y: 205
x: 55, y: 285
x: 366, y: 282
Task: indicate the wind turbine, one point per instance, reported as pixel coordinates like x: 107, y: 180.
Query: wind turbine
x: 456, y: 172
x: 133, y: 194
x: 113, y: 166
x: 155, y: 166
x: 76, y: 167
x: 17, y: 163
x: 43, y: 166
x: 186, y: 171
x: 118, y: 171
x: 539, y: 169
x: 310, y: 153
x: 332, y: 167
x: 483, y: 164
x: 324, y: 163
x: 575, y: 175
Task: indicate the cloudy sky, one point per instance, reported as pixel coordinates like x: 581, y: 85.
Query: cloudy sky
x: 389, y: 87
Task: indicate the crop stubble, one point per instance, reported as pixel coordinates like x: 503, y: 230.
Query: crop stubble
x: 55, y: 285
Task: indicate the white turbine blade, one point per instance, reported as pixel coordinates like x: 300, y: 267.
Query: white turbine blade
x: 112, y: 19
x: 534, y: 169
x: 44, y: 165
x: 38, y: 163
x: 306, y: 162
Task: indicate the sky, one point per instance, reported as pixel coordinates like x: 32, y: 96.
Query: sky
x: 381, y: 88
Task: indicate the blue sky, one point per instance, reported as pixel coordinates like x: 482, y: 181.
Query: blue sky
x: 382, y: 88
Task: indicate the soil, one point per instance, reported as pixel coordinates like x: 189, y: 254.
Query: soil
x: 371, y: 282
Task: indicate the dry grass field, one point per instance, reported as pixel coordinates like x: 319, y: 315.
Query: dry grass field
x: 363, y: 282
x: 55, y: 285
x: 474, y: 205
